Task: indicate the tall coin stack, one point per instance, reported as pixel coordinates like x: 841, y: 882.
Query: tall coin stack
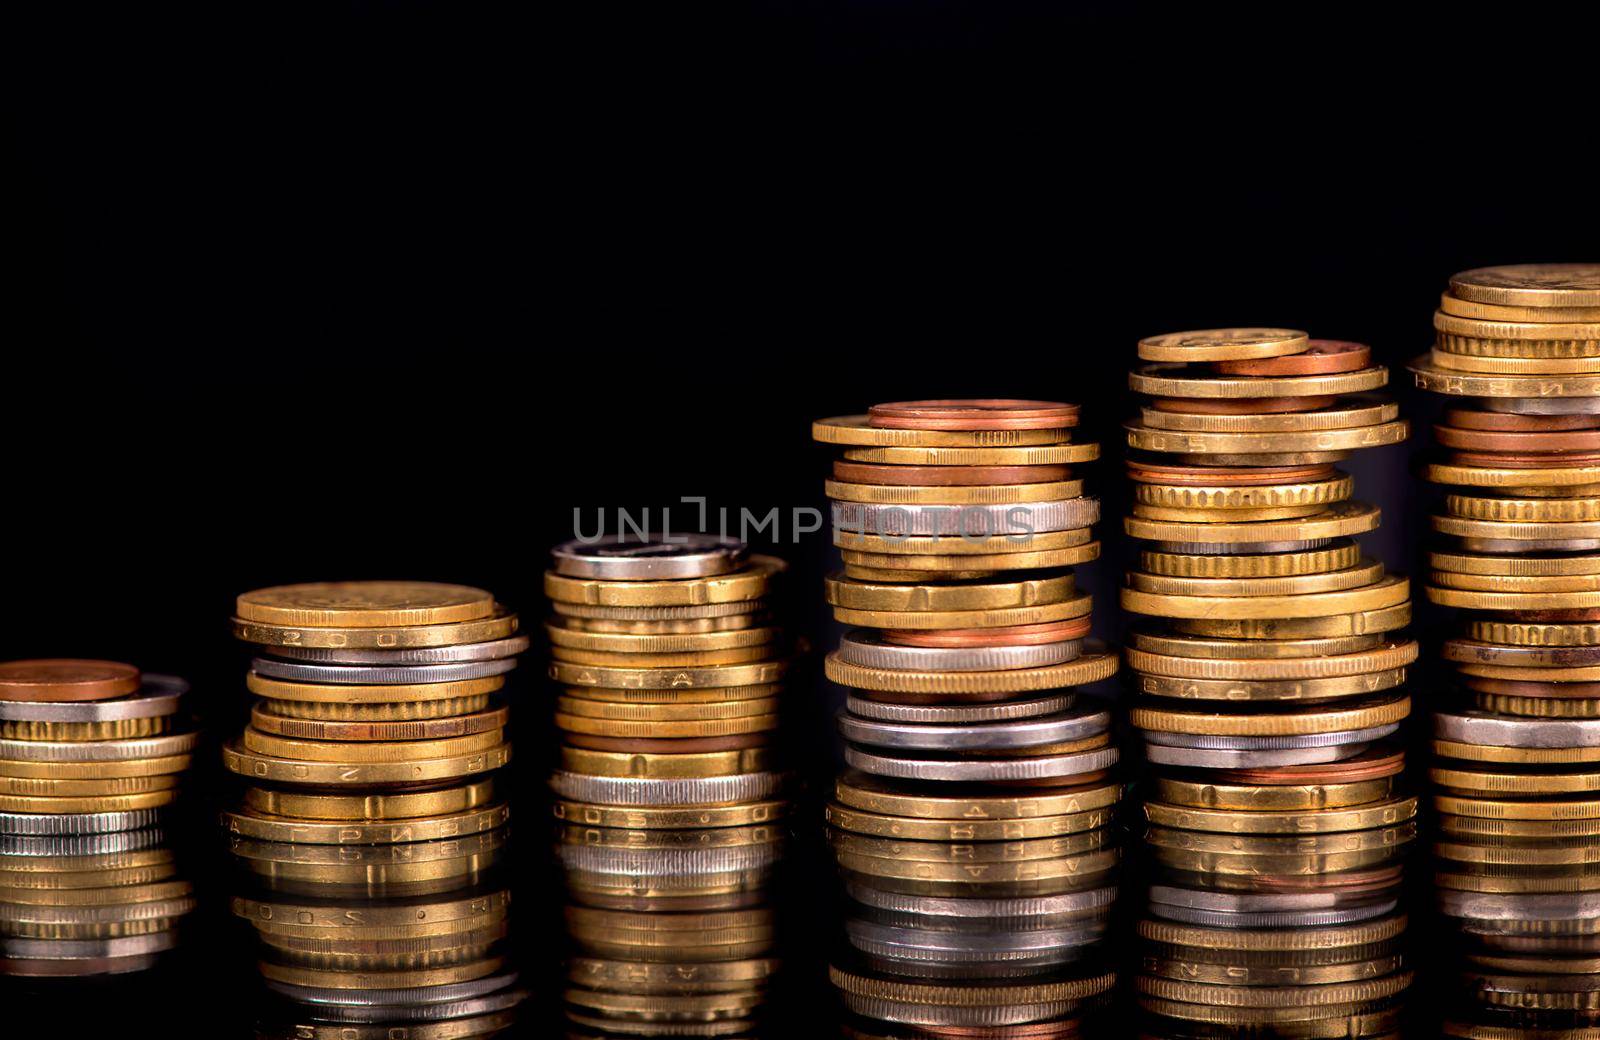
x: 971, y: 829
x: 1516, y: 771
x: 668, y: 787
x: 371, y: 824
x: 1267, y: 689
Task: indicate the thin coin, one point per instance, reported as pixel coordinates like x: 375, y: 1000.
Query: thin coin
x: 945, y: 620
x: 1366, y: 572
x: 1014, y: 635
x: 971, y: 521
x: 1151, y: 473
x: 1479, y: 364
x: 1385, y: 656
x: 66, y: 679
x: 1383, y: 619
x: 1341, y: 554
x: 1006, y: 770
x: 1571, y: 442
x: 937, y: 476
x: 1321, y: 356
x: 858, y: 431
x: 958, y: 713
x: 866, y: 648
x: 1383, y: 814
x: 366, y: 751
x: 1223, y: 344
x: 387, y: 806
x: 499, y: 625
x: 1040, y: 455
x: 954, y: 495
x: 342, y: 774
x: 642, y: 766
x: 1522, y: 634
x: 870, y: 794
x: 1294, y: 723
x: 1235, y: 447
x: 158, y: 696
x: 1429, y: 376
x: 1530, y: 285
x: 625, y: 558
x: 1355, y: 412
x: 1236, y: 406
x: 963, y: 545
x: 1337, y: 521
x: 1274, y: 797
x: 965, y: 596
x: 487, y: 651
x: 1390, y: 591
x: 1509, y: 312
x: 1251, y: 649
x: 973, y: 414
x: 1089, y: 668
x: 364, y: 604
x: 916, y: 567
x: 281, y: 690
x: 1175, y: 381
x: 1069, y: 725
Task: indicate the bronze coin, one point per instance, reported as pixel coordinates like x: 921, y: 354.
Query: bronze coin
x: 1372, y: 764
x: 1321, y: 357
x: 666, y: 745
x: 1353, y: 883
x: 1010, y: 635
x: 1518, y: 440
x: 1240, y: 405
x: 945, y: 476
x: 66, y: 679
x: 1211, y: 476
x: 982, y: 413
x: 1466, y: 419
x: 1507, y: 460
x: 1530, y: 688
x: 1558, y: 616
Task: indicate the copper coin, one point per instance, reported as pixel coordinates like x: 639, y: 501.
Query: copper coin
x: 66, y: 679
x: 1530, y: 688
x: 666, y: 745
x: 1567, y: 614
x: 1372, y: 764
x: 1321, y: 357
x: 1507, y: 460
x: 1211, y: 476
x: 1011, y: 635
x: 945, y: 476
x: 981, y: 413
x: 1518, y: 440
x: 1240, y: 405
x: 1349, y: 883
x: 1466, y: 419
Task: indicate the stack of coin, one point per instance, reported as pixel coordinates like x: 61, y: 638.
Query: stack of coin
x: 95, y: 903
x: 670, y: 922
x: 671, y: 676
x: 1517, y: 743
x: 87, y: 747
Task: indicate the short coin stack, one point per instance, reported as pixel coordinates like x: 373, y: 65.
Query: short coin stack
x: 972, y: 829
x: 1517, y: 745
x: 671, y: 676
x: 1267, y: 688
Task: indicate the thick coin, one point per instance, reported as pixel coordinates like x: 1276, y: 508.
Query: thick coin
x: 635, y: 818
x: 364, y: 604
x: 917, y: 829
x: 666, y: 712
x: 1223, y: 344
x: 76, y: 731
x: 1271, y: 797
x: 668, y: 678
x: 623, y: 643
x: 1429, y: 376
x: 1530, y: 285
x: 983, y: 770
x: 413, y: 729
x: 1201, y: 443
x: 870, y: 794
x: 1160, y: 380
x: 1477, y: 728
x: 393, y: 711
x: 52, y: 786
x: 342, y: 774
x: 665, y: 730
x: 1383, y: 619
x: 623, y: 558
x: 74, y: 823
x: 1391, y: 591
x: 1000, y: 618
x: 1514, y: 566
x: 945, y: 476
x: 66, y: 679
x: 1232, y: 497
x: 1382, y: 657
x: 498, y: 625
x: 387, y: 806
x: 1293, y: 723
x: 963, y: 597
x: 751, y: 582
x: 265, y: 826
x: 1524, y: 510
x: 1069, y: 725
x: 91, y: 803
x: 1478, y: 364
x: 1337, y: 556
x: 1340, y: 738
x: 1382, y: 814
x: 94, y: 770
x: 1515, y: 312
x: 1089, y: 668
x: 487, y: 651
x: 704, y: 790
x: 973, y: 414
x: 1365, y: 572
x: 870, y: 650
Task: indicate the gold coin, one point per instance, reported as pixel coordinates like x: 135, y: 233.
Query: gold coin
x: 954, y: 495
x: 1465, y: 528
x: 652, y: 643
x: 1038, y: 455
x: 1194, y: 442
x: 624, y: 728
x: 339, y: 774
x: 287, y: 915
x: 860, y: 573
x: 1513, y: 566
x: 1537, y: 707
x: 1269, y: 974
x: 321, y: 729
x: 1229, y: 516
x: 668, y: 678
x: 1270, y: 690
x: 1089, y: 668
x: 353, y: 693
x: 1384, y: 814
x: 980, y: 873
x: 960, y: 545
x: 1383, y: 657
x: 1508, y: 477
x: 1288, y: 939
x: 1523, y: 756
x: 1509, y: 312
x: 679, y: 627
x: 357, y: 831
x: 393, y: 711
x: 857, y: 431
x: 867, y: 596
x: 685, y: 659
x: 1514, y: 366
x: 918, y: 565
x: 364, y: 604
x: 110, y: 770
x: 1383, y: 619
x: 497, y: 626
x: 753, y: 582
x: 1295, y: 1001
x: 57, y: 786
x: 709, y: 695
x: 1530, y: 634
x: 947, y: 619
x: 668, y: 712
x: 1234, y: 865
x: 386, y: 806
x: 1429, y: 376
x: 1170, y: 381
x: 915, y: 851
x: 1364, y: 573
x: 1262, y: 846
x: 1585, y: 854
x: 147, y: 892
x: 1530, y: 285
x: 1003, y: 994
x: 1389, y: 592
x: 91, y: 803
x: 355, y: 980
x: 368, y: 750
x: 981, y: 830
x: 1524, y: 510
x: 859, y: 791
x: 1575, y: 673
x: 1248, y: 496
x: 1254, y: 565
x: 1474, y: 599
x: 118, y: 729
x: 1326, y: 720
x: 1473, y: 346
x: 1251, y: 649
x: 1479, y: 328
x: 1361, y: 411
x: 667, y: 766
x: 1514, y: 783
x: 1510, y: 583
x: 1271, y: 797
x: 1338, y: 521
x: 1506, y: 809
x: 636, y: 818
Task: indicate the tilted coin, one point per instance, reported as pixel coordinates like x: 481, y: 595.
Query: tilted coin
x: 623, y: 558
x: 1383, y: 656
x: 364, y: 604
x: 1390, y: 591
x: 1382, y: 619
x: 1337, y: 521
x: 1299, y: 722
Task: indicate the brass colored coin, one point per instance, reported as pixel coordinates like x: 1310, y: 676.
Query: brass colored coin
x: 1505, y: 809
x: 860, y: 573
x: 359, y: 831
x: 1388, y: 592
x: 1247, y: 496
x: 1429, y: 376
x: 1385, y: 656
x: 866, y: 596
x: 1325, y: 720
x: 387, y: 712
x: 93, y: 803
x: 1296, y: 1001
x: 148, y: 892
x: 1514, y: 566
x: 1477, y: 364
x: 1449, y: 342
x: 418, y: 729
x: 1338, y: 521
x: 1509, y: 583
x: 1334, y: 557
x: 686, y: 659
x: 1172, y: 381
x: 1537, y: 707
x: 368, y: 751
x: 1234, y: 516
x: 66, y: 679
x: 1465, y: 528
x: 286, y: 915
x: 643, y: 818
x: 919, y: 565
x: 1236, y: 868
x: 387, y: 806
x: 625, y: 643
x: 1275, y: 939
x: 980, y: 873
x: 352, y: 693
x: 960, y: 545
x: 945, y: 476
x: 668, y: 712
x: 856, y: 431
x: 107, y: 770
x: 58, y: 786
x: 1364, y: 573
x: 1223, y: 345
x: 1356, y: 412
x: 708, y: 695
x: 339, y: 774
x: 1258, y: 690
x: 1526, y: 656
x: 1383, y: 814
x: 1474, y: 599
x: 118, y: 729
x: 1040, y: 455
x: 983, y: 830
x: 496, y: 626
x: 667, y: 730
x: 1089, y: 668
x: 364, y: 604
x: 971, y: 852
x: 1518, y: 480
x: 1531, y: 634
x: 750, y: 583
x: 1251, y: 649
x: 999, y: 995
x: 1518, y: 755
x: 679, y: 627
x: 1510, y: 312
x: 941, y: 620
x: 864, y: 793
x: 1274, y: 797
x: 1533, y: 784
x: 1530, y: 285
x: 1524, y: 510
x: 973, y: 414
x: 1196, y: 442
x: 1452, y: 325
x: 1264, y: 849
x: 667, y: 766
x: 668, y: 678
x: 1383, y: 619
x: 1567, y: 674
x: 971, y: 495
x: 356, y: 980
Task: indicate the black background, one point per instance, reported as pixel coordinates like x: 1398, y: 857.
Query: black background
x: 362, y: 290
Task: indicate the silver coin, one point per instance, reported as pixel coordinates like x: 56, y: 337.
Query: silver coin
x: 1473, y: 727
x: 489, y: 651
x: 1518, y: 545
x: 381, y: 675
x: 69, y: 845
x: 81, y: 949
x: 680, y: 792
x: 666, y: 863
x: 1228, y: 742
x: 929, y: 944
x: 98, y: 750
x: 677, y: 613
x: 1519, y: 907
x: 623, y: 558
x: 1542, y: 405
x: 987, y: 770
x: 955, y: 1014
x: 1072, y: 724
x: 435, y: 1012
x: 946, y: 714
x: 1251, y: 902
x: 1238, y: 548
x: 1203, y: 758
x: 158, y: 695
x: 974, y: 521
x: 76, y: 823
x: 411, y: 995
x: 1275, y: 919
x: 868, y: 649
x: 982, y: 909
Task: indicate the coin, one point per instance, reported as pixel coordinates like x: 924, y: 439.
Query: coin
x: 1338, y: 520
x: 1186, y: 443
x: 498, y: 625
x: 625, y: 558
x: 1530, y: 285
x: 865, y: 648
x: 1036, y: 455
x: 858, y: 431
x: 1353, y: 412
x: 1383, y: 619
x: 939, y: 476
x: 971, y: 521
x: 1048, y: 632
x: 1390, y: 591
x: 1337, y: 556
x: 352, y: 693
x: 956, y: 495
x: 1223, y: 344
x: 355, y: 730
x: 1321, y: 356
x: 1067, y: 725
x: 486, y: 651
x: 1090, y: 667
x: 1250, y: 649
x: 66, y: 679
x: 364, y: 604
x: 752, y: 582
x: 1382, y: 814
x: 347, y: 773
x: 973, y: 414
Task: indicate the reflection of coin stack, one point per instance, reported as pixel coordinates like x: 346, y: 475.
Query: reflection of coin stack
x: 88, y: 757
x: 371, y: 824
x: 1275, y: 825
x: 972, y: 829
x: 667, y: 788
x: 1517, y: 747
